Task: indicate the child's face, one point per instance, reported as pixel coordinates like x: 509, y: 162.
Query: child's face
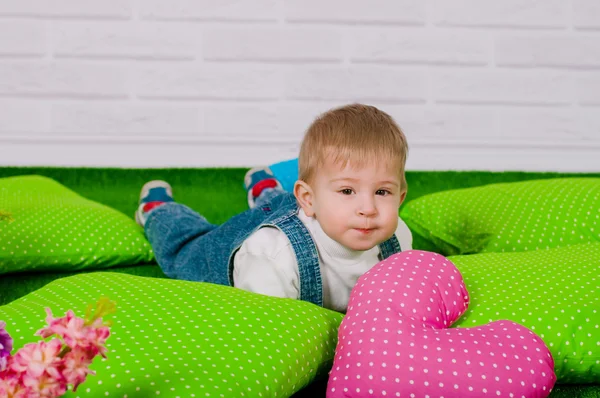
x: 356, y: 207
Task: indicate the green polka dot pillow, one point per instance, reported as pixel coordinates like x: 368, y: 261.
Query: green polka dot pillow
x: 173, y: 338
x: 46, y: 226
x: 552, y: 292
x: 508, y: 217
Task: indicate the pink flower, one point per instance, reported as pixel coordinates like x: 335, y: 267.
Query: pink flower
x: 6, y: 345
x: 36, y: 358
x: 96, y: 337
x: 46, y: 369
x: 76, y: 333
x: 76, y: 366
x: 11, y: 385
x: 12, y: 388
x: 45, y: 386
x: 69, y: 327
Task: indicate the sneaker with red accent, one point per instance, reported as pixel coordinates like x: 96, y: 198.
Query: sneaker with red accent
x: 154, y: 193
x: 257, y: 180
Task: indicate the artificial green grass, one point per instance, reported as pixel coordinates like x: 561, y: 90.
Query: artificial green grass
x: 218, y: 195
x: 215, y: 193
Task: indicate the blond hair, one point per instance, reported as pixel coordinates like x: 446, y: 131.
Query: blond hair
x: 359, y: 134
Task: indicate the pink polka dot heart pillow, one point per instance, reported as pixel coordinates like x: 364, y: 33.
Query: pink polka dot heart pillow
x: 395, y: 339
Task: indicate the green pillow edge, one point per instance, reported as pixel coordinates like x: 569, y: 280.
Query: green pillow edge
x: 328, y: 319
x: 77, y: 201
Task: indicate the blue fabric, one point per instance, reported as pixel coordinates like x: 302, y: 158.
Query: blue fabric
x: 309, y: 269
x: 286, y: 173
x: 389, y: 247
x: 188, y: 247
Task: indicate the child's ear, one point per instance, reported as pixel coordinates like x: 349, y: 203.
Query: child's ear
x: 304, y: 195
x: 402, y: 197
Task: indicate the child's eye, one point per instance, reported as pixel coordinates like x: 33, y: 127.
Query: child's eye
x: 346, y: 191
x: 383, y: 192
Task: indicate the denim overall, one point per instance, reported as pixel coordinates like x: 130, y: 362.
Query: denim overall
x: 188, y: 247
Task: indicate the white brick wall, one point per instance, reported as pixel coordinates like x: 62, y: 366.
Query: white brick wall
x: 475, y: 84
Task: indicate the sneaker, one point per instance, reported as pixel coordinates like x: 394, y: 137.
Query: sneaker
x: 258, y: 179
x: 153, y: 194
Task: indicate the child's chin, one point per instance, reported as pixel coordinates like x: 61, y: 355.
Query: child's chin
x: 361, y: 246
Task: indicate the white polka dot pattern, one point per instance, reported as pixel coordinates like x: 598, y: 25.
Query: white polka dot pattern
x: 522, y: 216
x: 555, y: 293
x: 173, y: 338
x: 395, y: 341
x: 53, y: 228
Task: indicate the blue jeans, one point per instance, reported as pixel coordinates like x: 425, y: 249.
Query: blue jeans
x: 183, y: 240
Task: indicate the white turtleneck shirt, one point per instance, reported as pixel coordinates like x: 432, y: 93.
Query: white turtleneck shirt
x: 266, y: 263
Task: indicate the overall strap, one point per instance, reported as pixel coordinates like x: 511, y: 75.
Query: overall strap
x: 389, y: 247
x: 307, y: 256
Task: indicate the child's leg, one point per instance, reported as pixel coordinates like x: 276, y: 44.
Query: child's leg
x: 170, y: 227
x: 186, y: 245
x: 267, y: 196
x: 176, y: 232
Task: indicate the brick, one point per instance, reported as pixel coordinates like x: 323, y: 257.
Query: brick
x: 508, y: 13
x: 125, y: 119
x: 587, y: 89
x: 125, y: 39
x: 503, y: 157
x: 559, y: 51
x: 430, y: 123
x: 23, y: 116
x: 586, y: 14
x: 411, y: 12
x: 22, y: 38
x: 254, y: 122
x: 258, y: 10
x: 590, y: 125
x: 167, y: 153
x: 356, y: 83
x: 442, y: 122
x: 207, y: 82
x: 118, y: 9
x: 272, y: 44
x: 62, y: 80
x: 408, y: 45
x: 538, y: 124
x: 502, y: 87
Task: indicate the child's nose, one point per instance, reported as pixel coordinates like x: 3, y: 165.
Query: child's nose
x: 367, y: 207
